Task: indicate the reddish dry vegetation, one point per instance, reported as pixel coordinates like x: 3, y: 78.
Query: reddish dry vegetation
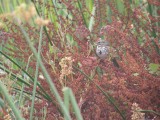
x: 128, y: 84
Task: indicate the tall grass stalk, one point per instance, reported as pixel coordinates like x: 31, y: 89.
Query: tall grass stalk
x: 23, y: 85
x: 46, y: 75
x: 109, y: 98
x: 9, y: 100
x: 69, y: 97
x: 36, y: 75
x: 37, y: 67
x: 44, y: 94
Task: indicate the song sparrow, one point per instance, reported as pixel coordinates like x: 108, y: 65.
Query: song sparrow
x: 104, y: 50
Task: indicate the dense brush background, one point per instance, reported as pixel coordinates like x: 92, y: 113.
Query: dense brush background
x: 69, y: 30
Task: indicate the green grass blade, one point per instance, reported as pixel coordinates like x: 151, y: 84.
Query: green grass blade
x: 46, y: 75
x: 22, y: 89
x: 36, y: 74
x: 80, y: 7
x: 14, y: 76
x: 120, y: 6
x: 75, y: 105
x: 45, y: 30
x: 91, y: 22
x: 10, y: 59
x: 1, y: 103
x: 66, y: 97
x: 149, y: 111
x: 26, y: 92
x: 110, y: 99
x: 16, y: 112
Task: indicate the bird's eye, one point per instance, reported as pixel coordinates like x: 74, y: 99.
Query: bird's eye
x: 98, y: 42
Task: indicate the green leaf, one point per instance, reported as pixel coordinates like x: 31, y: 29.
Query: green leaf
x: 120, y: 6
x: 91, y: 22
x: 153, y: 68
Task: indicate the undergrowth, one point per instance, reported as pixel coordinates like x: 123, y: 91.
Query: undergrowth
x: 60, y: 37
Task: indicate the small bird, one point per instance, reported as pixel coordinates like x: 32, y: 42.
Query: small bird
x: 104, y: 50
